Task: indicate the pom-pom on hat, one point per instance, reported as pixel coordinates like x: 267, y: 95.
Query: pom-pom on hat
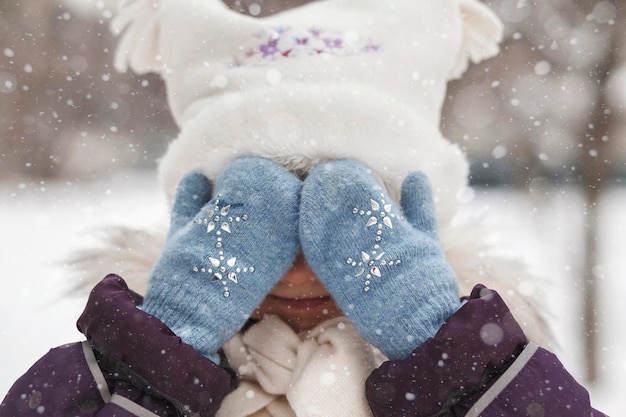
x: 331, y: 79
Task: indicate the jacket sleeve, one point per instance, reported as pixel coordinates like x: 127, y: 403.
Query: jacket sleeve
x: 480, y: 363
x: 130, y: 365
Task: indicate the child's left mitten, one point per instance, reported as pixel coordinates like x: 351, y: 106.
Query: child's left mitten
x: 385, y: 268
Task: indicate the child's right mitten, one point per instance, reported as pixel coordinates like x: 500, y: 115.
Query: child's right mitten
x: 385, y: 268
x: 224, y: 252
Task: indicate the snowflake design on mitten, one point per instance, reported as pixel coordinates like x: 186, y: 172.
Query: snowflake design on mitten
x: 220, y: 222
x: 224, y: 270
x: 368, y: 264
x: 379, y: 212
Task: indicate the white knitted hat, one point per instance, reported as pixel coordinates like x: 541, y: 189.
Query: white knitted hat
x: 362, y: 79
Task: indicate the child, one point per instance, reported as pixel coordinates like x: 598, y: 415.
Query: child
x: 303, y: 249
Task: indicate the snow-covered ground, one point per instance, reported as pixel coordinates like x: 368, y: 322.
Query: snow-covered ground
x: 41, y: 223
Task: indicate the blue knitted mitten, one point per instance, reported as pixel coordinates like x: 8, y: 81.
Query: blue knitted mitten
x: 385, y: 268
x: 224, y: 254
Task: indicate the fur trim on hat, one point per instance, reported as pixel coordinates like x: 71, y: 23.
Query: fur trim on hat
x: 346, y: 122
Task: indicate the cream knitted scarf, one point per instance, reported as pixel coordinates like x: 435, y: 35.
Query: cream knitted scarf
x: 318, y: 373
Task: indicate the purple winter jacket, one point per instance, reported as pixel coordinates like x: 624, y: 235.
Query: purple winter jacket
x: 478, y: 364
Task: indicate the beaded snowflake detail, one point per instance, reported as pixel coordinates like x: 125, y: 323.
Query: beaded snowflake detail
x: 292, y: 42
x: 379, y: 212
x: 368, y: 263
x: 220, y: 222
x: 224, y: 270
x: 369, y: 266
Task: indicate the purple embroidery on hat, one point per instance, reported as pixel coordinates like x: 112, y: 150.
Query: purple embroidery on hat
x: 288, y: 42
x: 269, y: 49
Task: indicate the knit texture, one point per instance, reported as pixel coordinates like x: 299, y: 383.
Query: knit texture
x: 224, y: 252
x: 384, y: 267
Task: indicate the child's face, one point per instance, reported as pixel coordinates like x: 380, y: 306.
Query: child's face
x: 299, y: 298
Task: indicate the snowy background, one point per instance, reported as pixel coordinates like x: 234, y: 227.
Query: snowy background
x: 542, y: 124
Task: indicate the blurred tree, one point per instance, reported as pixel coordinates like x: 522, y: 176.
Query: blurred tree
x: 529, y: 107
x: 595, y: 162
x: 545, y: 108
x: 63, y: 109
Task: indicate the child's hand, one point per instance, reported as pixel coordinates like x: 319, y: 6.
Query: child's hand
x: 223, y: 255
x: 388, y: 273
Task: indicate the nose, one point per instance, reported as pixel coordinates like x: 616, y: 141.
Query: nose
x: 299, y: 273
